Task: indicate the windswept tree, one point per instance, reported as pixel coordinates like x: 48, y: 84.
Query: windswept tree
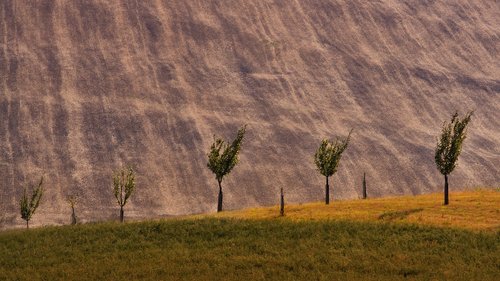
x: 222, y: 158
x: 327, y: 159
x: 30, y: 204
x: 449, y: 146
x: 123, y: 186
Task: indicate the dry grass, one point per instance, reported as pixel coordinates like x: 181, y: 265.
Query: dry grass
x: 343, y: 241
x: 473, y: 210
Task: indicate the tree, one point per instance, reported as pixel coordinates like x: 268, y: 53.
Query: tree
x: 29, y: 205
x: 327, y: 159
x: 72, y: 200
x: 123, y: 186
x: 222, y: 158
x: 449, y: 147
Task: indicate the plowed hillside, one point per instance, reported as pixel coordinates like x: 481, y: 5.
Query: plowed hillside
x: 89, y: 85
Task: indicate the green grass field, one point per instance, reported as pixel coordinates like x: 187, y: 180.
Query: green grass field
x: 296, y: 247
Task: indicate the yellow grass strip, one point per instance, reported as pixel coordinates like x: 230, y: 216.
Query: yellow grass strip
x: 474, y: 210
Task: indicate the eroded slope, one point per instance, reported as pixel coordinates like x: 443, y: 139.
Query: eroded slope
x: 89, y: 85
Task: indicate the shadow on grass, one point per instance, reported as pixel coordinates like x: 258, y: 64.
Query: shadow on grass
x: 398, y: 215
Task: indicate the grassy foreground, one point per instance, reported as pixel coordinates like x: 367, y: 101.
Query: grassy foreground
x: 256, y: 249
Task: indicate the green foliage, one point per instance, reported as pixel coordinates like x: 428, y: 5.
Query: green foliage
x: 30, y: 204
x: 328, y: 155
x: 221, y: 249
x: 123, y: 185
x: 450, y: 143
x: 224, y: 156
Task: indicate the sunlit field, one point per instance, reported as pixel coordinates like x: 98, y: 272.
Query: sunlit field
x: 410, y: 238
x: 474, y: 210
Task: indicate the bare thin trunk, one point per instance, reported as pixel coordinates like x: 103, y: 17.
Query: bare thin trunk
x: 327, y: 193
x: 282, y: 203
x: 219, y: 202
x: 446, y: 202
x: 73, y: 216
x: 121, y: 214
x: 364, y: 186
x: 27, y: 224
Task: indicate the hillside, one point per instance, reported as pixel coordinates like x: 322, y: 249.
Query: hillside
x: 225, y: 249
x: 472, y: 210
x: 89, y: 85
x: 373, y: 239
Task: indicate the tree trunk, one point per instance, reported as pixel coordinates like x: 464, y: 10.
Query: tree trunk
x: 446, y: 190
x: 282, y: 203
x: 364, y: 186
x: 73, y: 216
x: 219, y: 202
x: 121, y: 214
x: 327, y: 192
x: 27, y: 224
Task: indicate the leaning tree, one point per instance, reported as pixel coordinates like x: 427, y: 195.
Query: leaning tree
x: 327, y: 159
x: 123, y: 186
x: 222, y: 158
x: 30, y: 204
x: 449, y: 146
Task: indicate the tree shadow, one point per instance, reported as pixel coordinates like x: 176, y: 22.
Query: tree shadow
x: 398, y: 215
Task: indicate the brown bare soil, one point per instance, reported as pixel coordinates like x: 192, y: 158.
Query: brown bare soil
x: 89, y: 85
